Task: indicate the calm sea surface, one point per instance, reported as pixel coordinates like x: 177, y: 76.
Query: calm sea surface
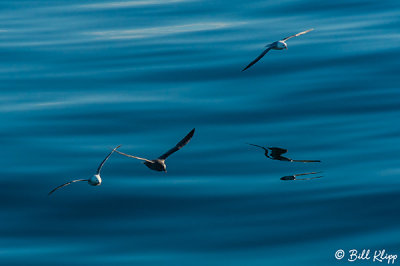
x: 80, y: 77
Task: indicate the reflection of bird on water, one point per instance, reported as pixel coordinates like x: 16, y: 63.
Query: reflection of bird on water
x: 275, y: 153
x: 159, y: 163
x: 293, y: 177
x: 278, y: 45
x: 95, y: 180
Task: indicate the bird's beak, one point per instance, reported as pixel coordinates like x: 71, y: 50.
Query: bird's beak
x: 286, y: 47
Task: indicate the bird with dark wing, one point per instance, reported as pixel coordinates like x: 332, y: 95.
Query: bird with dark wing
x: 278, y: 45
x: 275, y: 153
x: 159, y: 163
x: 95, y: 180
x: 294, y: 177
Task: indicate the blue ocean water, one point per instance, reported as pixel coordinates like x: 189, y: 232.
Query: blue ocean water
x: 80, y: 77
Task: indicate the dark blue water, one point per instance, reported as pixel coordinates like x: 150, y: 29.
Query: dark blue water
x: 80, y: 77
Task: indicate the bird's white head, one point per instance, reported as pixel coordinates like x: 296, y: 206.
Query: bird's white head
x: 281, y: 45
x: 163, y: 167
x: 95, y: 180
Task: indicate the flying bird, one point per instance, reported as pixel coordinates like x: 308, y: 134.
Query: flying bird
x: 275, y: 153
x: 95, y: 180
x: 159, y: 163
x: 293, y: 177
x: 278, y: 45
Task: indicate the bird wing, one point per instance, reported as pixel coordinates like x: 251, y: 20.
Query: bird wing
x: 309, y: 178
x: 108, y: 156
x: 257, y: 146
x: 276, y: 152
x: 258, y: 58
x: 178, y: 146
x: 66, y: 184
x: 131, y: 156
x: 311, y: 173
x: 295, y: 35
x: 307, y: 161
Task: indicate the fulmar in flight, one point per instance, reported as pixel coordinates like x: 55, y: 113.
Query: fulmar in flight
x: 159, y: 163
x: 278, y: 45
x: 95, y: 180
x: 293, y: 177
x: 275, y: 153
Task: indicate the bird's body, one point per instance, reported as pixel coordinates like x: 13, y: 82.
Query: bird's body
x: 275, y: 153
x: 278, y: 45
x: 156, y: 165
x: 159, y: 163
x: 95, y: 180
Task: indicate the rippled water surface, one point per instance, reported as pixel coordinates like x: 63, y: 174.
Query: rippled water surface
x: 80, y: 77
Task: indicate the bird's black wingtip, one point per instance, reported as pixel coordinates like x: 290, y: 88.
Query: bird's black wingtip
x: 252, y: 144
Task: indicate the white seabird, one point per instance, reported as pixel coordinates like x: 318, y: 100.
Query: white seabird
x: 278, y: 45
x: 159, y: 163
x: 95, y: 180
